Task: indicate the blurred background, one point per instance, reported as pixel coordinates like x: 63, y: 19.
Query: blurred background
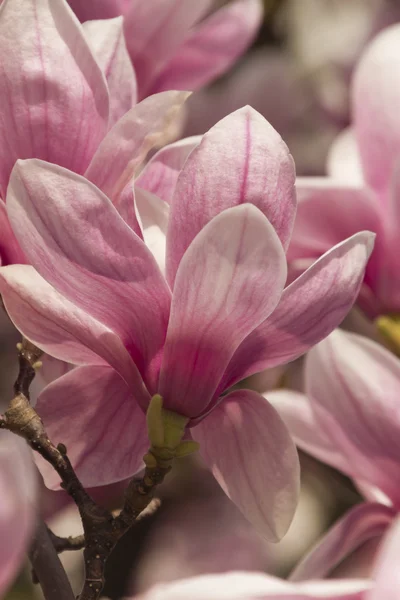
x: 298, y: 75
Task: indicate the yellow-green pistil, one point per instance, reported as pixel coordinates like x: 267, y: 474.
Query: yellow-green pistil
x: 389, y: 327
x: 166, y: 430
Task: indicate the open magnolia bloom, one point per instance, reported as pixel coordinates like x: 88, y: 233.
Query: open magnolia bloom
x: 363, y: 190
x: 350, y: 420
x: 221, y: 313
x: 385, y: 584
x: 57, y: 105
x: 175, y: 44
x: 17, y: 505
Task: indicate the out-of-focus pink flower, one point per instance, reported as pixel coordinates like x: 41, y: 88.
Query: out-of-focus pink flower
x: 221, y: 314
x: 363, y: 189
x: 56, y: 104
x: 17, y: 505
x: 350, y: 420
x: 175, y: 44
x: 385, y: 584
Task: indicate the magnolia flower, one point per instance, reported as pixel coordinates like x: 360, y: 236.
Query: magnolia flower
x: 385, y: 584
x: 17, y: 505
x: 221, y: 314
x: 56, y: 105
x: 178, y: 45
x: 363, y: 190
x: 349, y: 418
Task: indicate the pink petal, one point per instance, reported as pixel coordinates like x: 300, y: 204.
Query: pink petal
x: 297, y: 412
x: 10, y: 251
x: 153, y: 215
x: 99, y: 9
x: 376, y: 97
x: 90, y: 255
x: 254, y: 586
x: 310, y: 308
x: 329, y: 212
x: 160, y: 174
x: 125, y: 147
x: 354, y: 385
x: 125, y: 205
x: 95, y: 415
x: 53, y: 96
x: 153, y: 31
x: 213, y: 47
x: 360, y: 524
x: 241, y: 159
x: 17, y: 505
x: 387, y: 574
x: 252, y: 456
x: 344, y: 163
x: 230, y: 278
x: 57, y: 326
x: 106, y: 38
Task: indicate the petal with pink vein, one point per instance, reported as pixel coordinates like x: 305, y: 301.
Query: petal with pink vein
x: 230, y: 278
x: 310, y: 308
x: 90, y: 255
x: 53, y: 95
x: 241, y: 159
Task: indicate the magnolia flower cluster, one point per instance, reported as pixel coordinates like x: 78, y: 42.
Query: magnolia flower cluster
x: 163, y: 283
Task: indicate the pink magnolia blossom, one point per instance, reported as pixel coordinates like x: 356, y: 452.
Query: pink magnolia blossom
x: 221, y: 314
x: 17, y: 505
x: 349, y: 418
x: 385, y: 583
x: 363, y: 188
x: 177, y: 44
x: 56, y: 103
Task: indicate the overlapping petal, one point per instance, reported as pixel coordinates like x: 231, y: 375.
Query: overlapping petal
x: 17, y: 505
x: 98, y: 9
x: 93, y: 412
x: 153, y: 214
x: 344, y: 162
x: 153, y: 30
x: 297, y: 413
x: 251, y: 454
x: 77, y: 240
x: 241, y: 159
x: 106, y: 37
x: 126, y: 145
x: 310, y: 308
x: 354, y: 386
x: 57, y: 326
x: 161, y: 173
x: 376, y: 97
x: 229, y: 280
x: 53, y: 95
x: 10, y: 251
x: 212, y: 47
x: 362, y: 523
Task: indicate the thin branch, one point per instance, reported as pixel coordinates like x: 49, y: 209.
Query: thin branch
x: 62, y: 544
x: 47, y: 566
x: 101, y: 529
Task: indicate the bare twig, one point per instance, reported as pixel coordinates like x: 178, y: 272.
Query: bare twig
x: 48, y: 568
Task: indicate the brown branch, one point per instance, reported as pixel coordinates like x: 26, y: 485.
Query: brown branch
x: 102, y: 530
x: 48, y: 568
x: 62, y: 544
